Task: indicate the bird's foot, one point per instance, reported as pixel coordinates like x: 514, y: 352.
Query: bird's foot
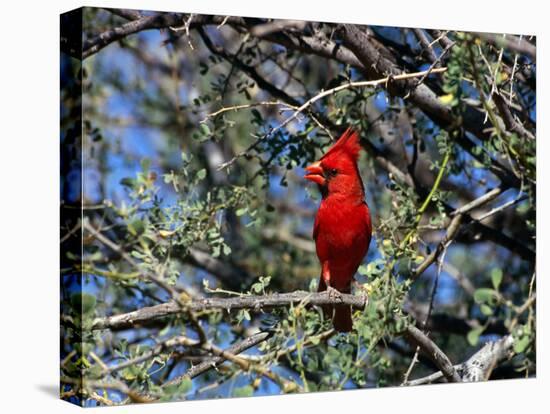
x: 333, y: 294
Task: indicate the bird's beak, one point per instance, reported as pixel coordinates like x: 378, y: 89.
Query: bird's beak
x: 315, y: 173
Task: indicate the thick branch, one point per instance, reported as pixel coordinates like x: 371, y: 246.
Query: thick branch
x: 127, y: 14
x: 156, y: 21
x: 426, y: 46
x: 511, y: 123
x: 377, y: 65
x: 277, y: 25
x: 513, y: 43
x: 256, y: 303
x: 418, y: 338
x: 479, y: 366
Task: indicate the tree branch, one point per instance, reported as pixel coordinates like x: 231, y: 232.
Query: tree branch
x: 156, y: 21
x: 513, y: 43
x: 277, y: 25
x: 207, y: 365
x: 252, y: 302
x: 127, y: 14
x: 479, y: 366
x: 417, y: 337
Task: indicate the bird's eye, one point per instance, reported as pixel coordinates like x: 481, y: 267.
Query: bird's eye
x: 333, y: 171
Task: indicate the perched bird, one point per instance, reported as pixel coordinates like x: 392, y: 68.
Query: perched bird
x: 342, y: 229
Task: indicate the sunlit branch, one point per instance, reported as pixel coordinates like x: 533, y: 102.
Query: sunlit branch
x: 250, y: 302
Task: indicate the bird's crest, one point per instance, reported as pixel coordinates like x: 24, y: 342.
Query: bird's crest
x: 348, y: 143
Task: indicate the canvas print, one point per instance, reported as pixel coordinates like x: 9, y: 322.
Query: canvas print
x: 254, y: 206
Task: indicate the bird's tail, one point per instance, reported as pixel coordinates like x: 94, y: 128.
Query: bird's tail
x: 342, y: 319
x: 340, y: 315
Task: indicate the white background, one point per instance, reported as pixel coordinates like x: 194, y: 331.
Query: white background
x: 29, y: 203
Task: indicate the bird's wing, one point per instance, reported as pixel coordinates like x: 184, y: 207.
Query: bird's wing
x: 368, y: 222
x: 316, y: 227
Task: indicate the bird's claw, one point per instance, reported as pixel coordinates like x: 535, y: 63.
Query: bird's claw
x: 333, y: 294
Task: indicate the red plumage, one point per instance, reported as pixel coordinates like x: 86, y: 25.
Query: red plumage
x: 342, y: 229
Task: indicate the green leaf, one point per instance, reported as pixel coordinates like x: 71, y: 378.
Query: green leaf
x: 520, y: 345
x: 241, y: 211
x: 484, y: 295
x: 136, y: 227
x: 205, y: 129
x: 486, y: 310
x: 246, y: 391
x: 226, y: 250
x: 496, y: 277
x: 201, y: 174
x: 474, y: 334
x: 256, y: 287
x: 216, y: 250
x: 185, y: 386
x: 315, y: 340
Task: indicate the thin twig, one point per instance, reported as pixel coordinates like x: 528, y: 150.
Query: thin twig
x: 236, y: 108
x: 501, y: 208
x: 185, y: 27
x: 321, y: 95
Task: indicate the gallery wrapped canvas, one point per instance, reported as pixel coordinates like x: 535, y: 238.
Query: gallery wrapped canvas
x: 255, y: 206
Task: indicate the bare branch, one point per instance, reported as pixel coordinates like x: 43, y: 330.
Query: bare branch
x: 277, y: 25
x: 235, y: 349
x: 426, y: 45
x: 155, y: 21
x: 252, y: 302
x: 511, y: 123
x: 126, y: 13
x: 479, y: 366
x: 472, y: 205
x: 452, y: 230
x: 513, y: 43
x: 415, y: 336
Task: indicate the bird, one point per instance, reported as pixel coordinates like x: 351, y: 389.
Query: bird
x: 342, y: 229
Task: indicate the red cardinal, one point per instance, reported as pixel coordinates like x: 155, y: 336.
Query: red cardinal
x: 342, y: 229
